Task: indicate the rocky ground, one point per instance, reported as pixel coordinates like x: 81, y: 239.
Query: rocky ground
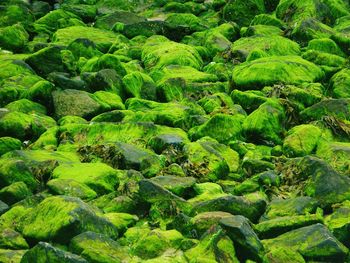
x: 174, y: 131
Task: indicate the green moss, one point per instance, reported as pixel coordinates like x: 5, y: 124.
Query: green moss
x: 98, y: 248
x: 274, y: 70
x: 158, y: 52
x: 191, y: 21
x: 271, y: 45
x: 13, y: 38
x: 337, y: 154
x: 243, y: 12
x: 11, y: 239
x: 324, y: 59
x: 221, y: 127
x: 15, y: 12
x: 283, y: 255
x: 55, y: 20
x: 26, y: 106
x: 13, y: 67
x: 45, y: 252
x: 98, y: 176
x: 213, y: 247
x: 301, y: 140
x: 14, y: 193
x: 59, y: 218
x: 340, y: 84
x: 325, y: 45
x: 24, y: 126
x: 139, y: 85
x: 122, y: 221
x: 71, y: 187
x: 265, y: 123
x: 204, y: 221
x: 8, y: 144
x: 152, y: 244
x: 103, y: 39
x: 11, y: 256
x: 206, y: 191
x: 40, y: 92
x: 262, y: 30
x: 268, y: 20
x: 312, y: 242
x: 109, y: 100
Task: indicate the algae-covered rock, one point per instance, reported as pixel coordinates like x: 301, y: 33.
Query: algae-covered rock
x: 340, y: 84
x: 8, y: 144
x: 275, y: 70
x: 60, y: 218
x: 243, y: 12
x: 13, y: 38
x: 265, y: 123
x: 96, y: 247
x: 98, y: 176
x: 44, y: 252
x: 313, y: 242
x: 71, y: 187
x: 14, y: 193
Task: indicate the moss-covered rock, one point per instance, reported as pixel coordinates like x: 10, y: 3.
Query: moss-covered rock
x: 340, y: 84
x: 325, y: 45
x: 242, y: 12
x: 71, y: 187
x: 312, y: 242
x: 96, y: 247
x: 301, y: 140
x: 275, y: 70
x: 60, y: 218
x: 336, y: 154
x: 98, y: 176
x: 102, y: 38
x: 14, y: 192
x: 265, y: 124
x: 26, y: 106
x: 159, y: 52
x: 180, y: 186
x: 44, y: 252
x: 8, y: 144
x: 13, y: 38
x: 269, y: 45
x: 221, y: 127
x: 139, y: 85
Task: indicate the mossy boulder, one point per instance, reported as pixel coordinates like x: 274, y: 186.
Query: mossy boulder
x: 221, y: 127
x: 325, y: 45
x: 59, y: 218
x: 106, y: 61
x: 96, y: 247
x: 275, y: 70
x: 8, y: 144
x: 14, y: 193
x: 243, y: 12
x: 313, y: 242
x: 71, y: 102
x: 181, y: 186
x: 26, y: 106
x: 309, y: 29
x: 102, y: 38
x: 13, y: 38
x: 71, y: 187
x: 340, y: 84
x: 269, y: 45
x: 24, y: 126
x: 265, y: 124
x: 45, y: 252
x: 10, y: 239
x: 98, y: 176
x: 336, y: 154
x: 301, y: 140
x: 159, y: 52
x: 139, y: 85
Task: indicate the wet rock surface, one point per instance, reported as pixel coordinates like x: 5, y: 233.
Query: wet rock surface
x: 174, y: 131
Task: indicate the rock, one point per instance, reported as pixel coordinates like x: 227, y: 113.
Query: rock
x: 98, y: 176
x: 221, y: 127
x: 313, y: 242
x: 55, y: 20
x: 71, y: 187
x: 277, y: 226
x: 13, y: 38
x: 165, y: 142
x: 302, y: 205
x: 236, y: 205
x: 325, y: 45
x: 311, y: 28
x: 281, y: 254
x: 204, y: 221
x: 11, y: 256
x: 244, y: 47
x: 14, y: 193
x: 242, y: 12
x: 8, y: 144
x: 336, y: 154
x: 83, y: 47
x: 180, y: 186
x: 139, y: 85
x: 301, y: 140
x: 282, y: 69
x: 106, y: 61
x: 60, y: 218
x: 96, y: 247
x: 48, y: 253
x: 238, y: 228
x: 338, y: 108
x: 159, y: 52
x: 108, y: 21
x: 214, y: 246
x: 103, y: 39
x: 26, y: 106
x: 122, y: 221
x: 340, y: 84
x: 10, y: 239
x: 75, y: 103
x: 265, y: 124
x: 338, y: 222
